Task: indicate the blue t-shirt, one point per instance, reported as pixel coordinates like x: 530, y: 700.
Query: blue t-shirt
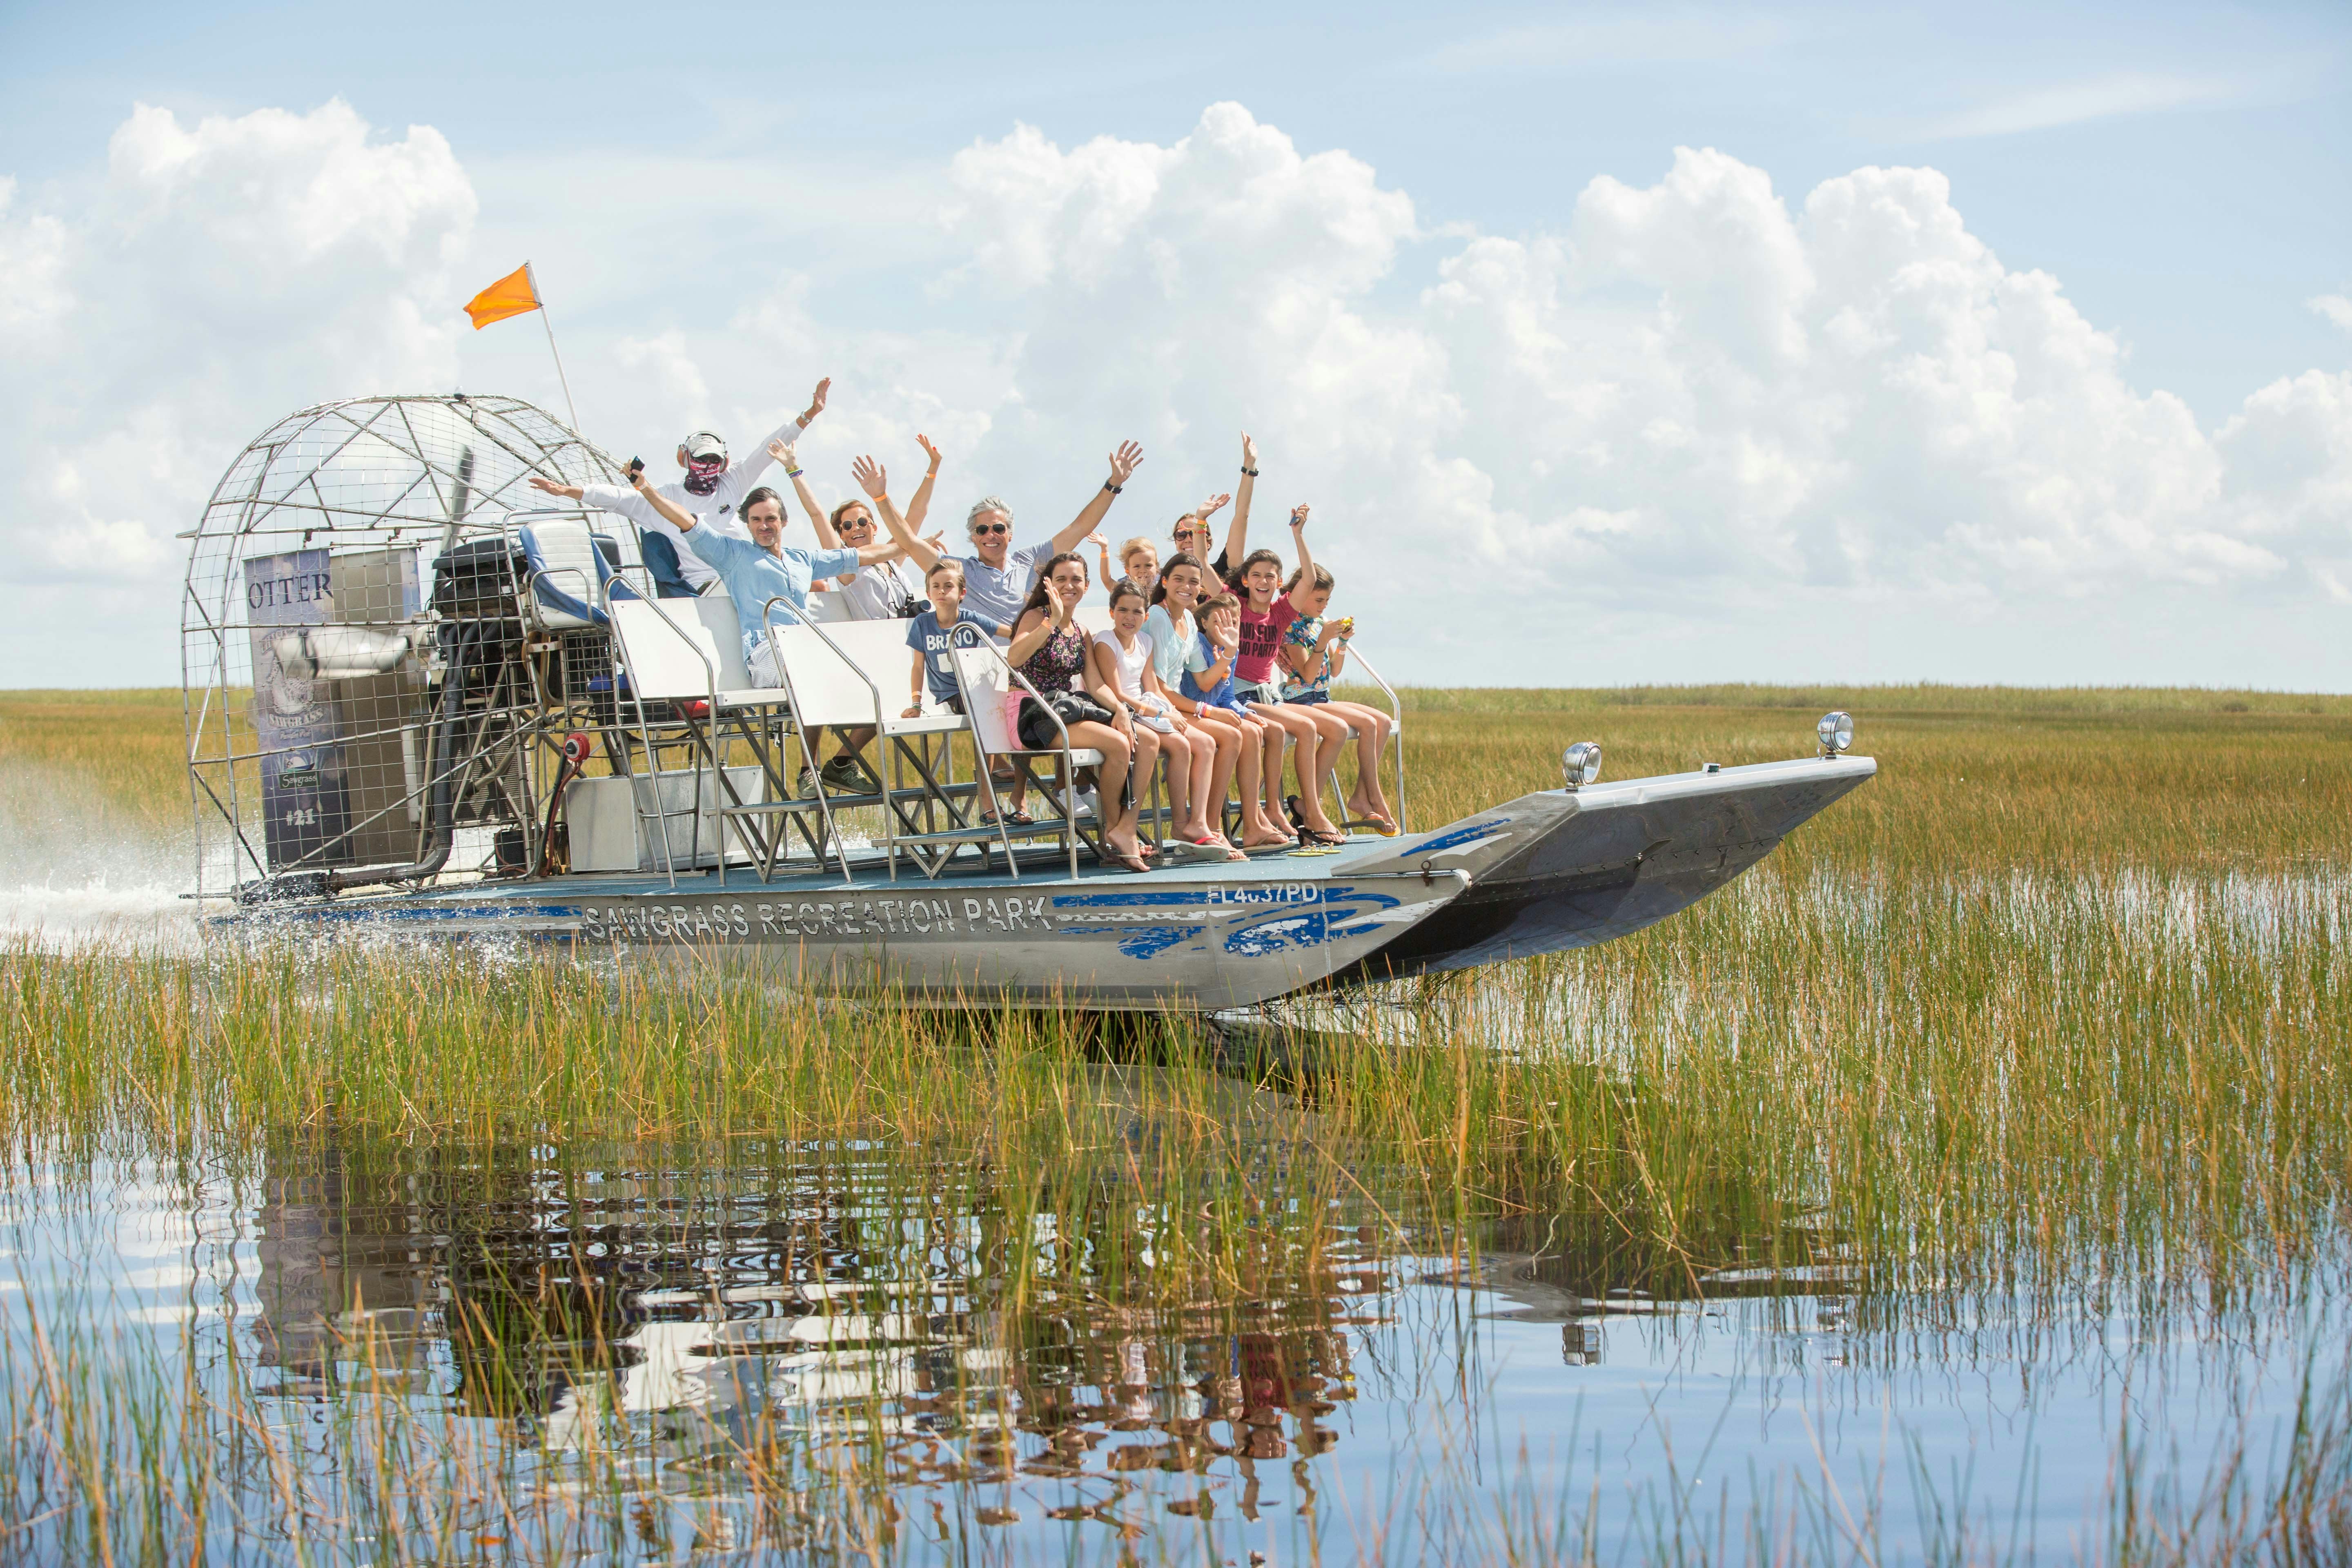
x: 928, y: 638
x: 1218, y: 696
x: 753, y: 577
x: 994, y: 595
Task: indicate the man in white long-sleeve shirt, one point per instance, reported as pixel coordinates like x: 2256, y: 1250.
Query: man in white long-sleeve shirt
x: 709, y: 493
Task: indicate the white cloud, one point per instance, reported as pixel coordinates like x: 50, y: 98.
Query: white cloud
x: 220, y: 275
x: 2336, y: 307
x: 1690, y: 393
x: 2097, y: 98
x: 1673, y: 409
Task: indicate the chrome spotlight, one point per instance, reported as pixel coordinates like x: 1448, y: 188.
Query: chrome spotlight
x: 1836, y: 730
x: 1581, y: 763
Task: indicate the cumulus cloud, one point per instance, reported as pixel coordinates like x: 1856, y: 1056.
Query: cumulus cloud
x: 218, y: 276
x: 1684, y: 399
x: 1687, y: 387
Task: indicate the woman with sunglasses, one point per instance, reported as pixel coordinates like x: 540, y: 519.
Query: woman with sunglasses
x: 889, y: 590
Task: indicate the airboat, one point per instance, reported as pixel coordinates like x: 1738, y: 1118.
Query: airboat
x: 420, y: 703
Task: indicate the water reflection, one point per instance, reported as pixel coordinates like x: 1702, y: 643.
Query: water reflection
x: 792, y: 1320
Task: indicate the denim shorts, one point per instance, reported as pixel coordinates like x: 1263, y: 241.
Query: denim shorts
x: 1307, y: 699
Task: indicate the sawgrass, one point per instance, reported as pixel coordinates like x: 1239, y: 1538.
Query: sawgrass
x: 2056, y: 1009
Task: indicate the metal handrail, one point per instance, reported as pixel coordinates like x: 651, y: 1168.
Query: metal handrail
x: 808, y: 741
x: 1069, y: 764
x: 1396, y: 730
x: 645, y: 734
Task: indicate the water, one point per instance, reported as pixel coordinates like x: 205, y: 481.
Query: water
x: 75, y: 869
x: 362, y: 1350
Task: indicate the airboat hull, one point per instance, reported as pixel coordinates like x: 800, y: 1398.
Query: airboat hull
x: 1566, y: 869
x: 1544, y: 872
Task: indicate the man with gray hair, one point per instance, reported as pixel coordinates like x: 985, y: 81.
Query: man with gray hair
x: 997, y: 577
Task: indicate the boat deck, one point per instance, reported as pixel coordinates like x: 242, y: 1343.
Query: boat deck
x: 1041, y: 869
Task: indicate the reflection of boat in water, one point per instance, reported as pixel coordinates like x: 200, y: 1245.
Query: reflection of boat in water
x: 743, y: 1329
x: 468, y: 719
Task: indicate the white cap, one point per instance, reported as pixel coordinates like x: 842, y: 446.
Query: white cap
x: 703, y: 444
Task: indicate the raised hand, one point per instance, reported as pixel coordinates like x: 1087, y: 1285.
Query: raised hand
x: 1298, y: 516
x: 1249, y: 451
x: 555, y: 488
x: 929, y: 450
x: 871, y: 478
x: 937, y: 542
x: 1097, y: 541
x: 816, y: 401
x: 782, y: 450
x: 1213, y: 505
x: 1124, y: 460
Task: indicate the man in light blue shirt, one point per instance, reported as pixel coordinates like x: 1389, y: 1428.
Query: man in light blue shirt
x: 761, y: 568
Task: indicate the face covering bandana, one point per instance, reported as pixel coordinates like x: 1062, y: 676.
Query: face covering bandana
x: 702, y: 474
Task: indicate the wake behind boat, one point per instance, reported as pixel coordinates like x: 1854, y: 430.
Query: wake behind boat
x: 421, y: 702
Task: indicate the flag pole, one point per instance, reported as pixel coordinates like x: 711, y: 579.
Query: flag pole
x: 562, y: 380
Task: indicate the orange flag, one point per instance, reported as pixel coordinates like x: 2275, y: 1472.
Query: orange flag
x: 512, y: 294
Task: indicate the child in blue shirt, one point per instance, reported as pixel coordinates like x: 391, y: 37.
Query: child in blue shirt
x: 933, y: 634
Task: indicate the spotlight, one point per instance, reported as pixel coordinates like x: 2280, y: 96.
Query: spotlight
x: 1581, y: 763
x: 1836, y: 732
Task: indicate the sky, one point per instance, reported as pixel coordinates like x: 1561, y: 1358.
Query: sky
x: 1610, y: 344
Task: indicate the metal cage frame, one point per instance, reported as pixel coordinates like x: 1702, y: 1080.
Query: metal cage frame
x: 353, y: 500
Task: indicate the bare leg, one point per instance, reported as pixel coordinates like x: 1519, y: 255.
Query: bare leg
x: 1178, y: 747
x: 1228, y: 745
x: 1330, y: 740
x: 1146, y: 757
x: 1118, y: 823
x: 1294, y: 722
x: 1371, y: 726
x: 1260, y: 758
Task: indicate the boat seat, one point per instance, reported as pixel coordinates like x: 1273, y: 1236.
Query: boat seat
x: 829, y: 609
x: 984, y: 677
x: 569, y: 567
x: 848, y: 674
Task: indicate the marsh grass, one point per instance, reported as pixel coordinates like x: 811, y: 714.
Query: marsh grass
x: 2055, y: 1012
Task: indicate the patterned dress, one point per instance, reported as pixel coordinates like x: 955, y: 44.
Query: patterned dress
x: 1303, y: 633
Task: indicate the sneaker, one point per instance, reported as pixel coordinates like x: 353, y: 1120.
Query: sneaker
x: 806, y: 788
x: 848, y: 776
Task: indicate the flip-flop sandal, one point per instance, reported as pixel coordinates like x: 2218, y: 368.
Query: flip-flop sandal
x: 1315, y: 849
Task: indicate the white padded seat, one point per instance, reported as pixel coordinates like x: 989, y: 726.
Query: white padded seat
x: 985, y: 678
x: 567, y: 573
x: 683, y: 650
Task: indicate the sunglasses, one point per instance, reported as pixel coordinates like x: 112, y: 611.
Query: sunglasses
x: 849, y: 522
x: 978, y: 529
